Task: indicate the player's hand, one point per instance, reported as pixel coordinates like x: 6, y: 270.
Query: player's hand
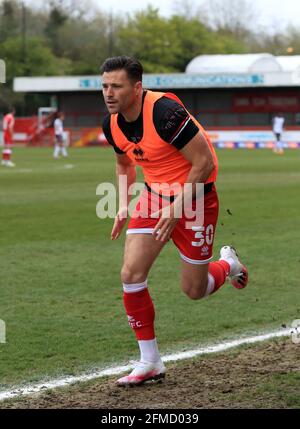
x: 120, y: 221
x: 166, y: 223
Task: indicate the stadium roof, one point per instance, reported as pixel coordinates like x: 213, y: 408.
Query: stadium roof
x: 245, y: 63
x: 205, y: 71
x: 289, y: 63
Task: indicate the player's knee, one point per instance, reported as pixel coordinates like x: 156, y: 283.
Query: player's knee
x: 194, y: 294
x: 195, y: 289
x: 131, y: 275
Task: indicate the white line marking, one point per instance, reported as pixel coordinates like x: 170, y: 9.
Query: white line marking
x: 61, y: 382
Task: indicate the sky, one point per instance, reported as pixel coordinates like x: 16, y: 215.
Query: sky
x: 272, y: 13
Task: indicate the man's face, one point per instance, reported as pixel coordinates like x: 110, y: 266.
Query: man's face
x: 119, y: 92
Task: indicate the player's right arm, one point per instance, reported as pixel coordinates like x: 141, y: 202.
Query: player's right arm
x: 126, y: 168
x: 126, y: 176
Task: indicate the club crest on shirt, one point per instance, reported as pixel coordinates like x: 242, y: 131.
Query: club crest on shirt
x: 139, y: 154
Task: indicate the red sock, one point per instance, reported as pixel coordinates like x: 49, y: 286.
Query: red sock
x: 6, y: 154
x: 219, y: 270
x: 140, y: 312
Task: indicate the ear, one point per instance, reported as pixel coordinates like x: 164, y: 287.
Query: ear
x: 138, y: 86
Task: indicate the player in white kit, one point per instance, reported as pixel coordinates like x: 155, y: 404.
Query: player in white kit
x: 278, y: 124
x: 59, y: 145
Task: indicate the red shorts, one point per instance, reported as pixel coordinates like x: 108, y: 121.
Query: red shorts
x: 195, y: 243
x: 7, y: 138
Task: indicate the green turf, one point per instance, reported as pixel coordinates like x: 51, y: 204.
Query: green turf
x: 60, y: 291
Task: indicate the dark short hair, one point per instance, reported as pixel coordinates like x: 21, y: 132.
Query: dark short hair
x: 10, y: 109
x: 132, y: 66
x: 58, y: 113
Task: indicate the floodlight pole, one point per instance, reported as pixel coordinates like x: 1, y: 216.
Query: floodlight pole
x: 24, y: 48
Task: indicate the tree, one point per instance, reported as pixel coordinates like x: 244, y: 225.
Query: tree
x: 187, y: 9
x: 196, y: 39
x: 40, y: 61
x: 9, y: 24
x: 151, y: 39
x: 85, y: 43
x: 57, y: 19
x: 193, y: 38
x: 235, y: 17
x: 73, y: 37
x: 292, y: 40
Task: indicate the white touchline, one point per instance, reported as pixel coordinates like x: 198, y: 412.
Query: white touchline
x: 61, y: 382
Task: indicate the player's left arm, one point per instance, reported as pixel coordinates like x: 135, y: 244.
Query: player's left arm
x: 197, y: 152
x: 12, y: 126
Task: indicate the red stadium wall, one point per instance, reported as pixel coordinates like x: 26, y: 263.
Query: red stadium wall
x: 286, y: 101
x: 27, y: 132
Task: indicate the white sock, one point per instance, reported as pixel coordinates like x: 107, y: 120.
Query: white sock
x: 64, y: 151
x: 149, y: 350
x: 210, y: 285
x: 135, y: 287
x: 56, y: 151
x: 230, y: 261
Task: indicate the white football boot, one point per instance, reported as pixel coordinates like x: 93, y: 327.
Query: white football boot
x: 238, y: 275
x: 143, y: 371
x: 10, y: 164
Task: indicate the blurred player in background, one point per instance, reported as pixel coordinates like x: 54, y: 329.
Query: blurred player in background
x: 60, y: 141
x: 155, y: 131
x: 8, y: 132
x: 278, y: 125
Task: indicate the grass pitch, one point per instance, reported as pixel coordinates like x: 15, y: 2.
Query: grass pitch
x: 60, y: 293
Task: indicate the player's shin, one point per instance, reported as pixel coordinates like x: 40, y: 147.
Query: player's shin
x: 6, y: 154
x: 64, y: 151
x: 56, y: 151
x: 140, y: 312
